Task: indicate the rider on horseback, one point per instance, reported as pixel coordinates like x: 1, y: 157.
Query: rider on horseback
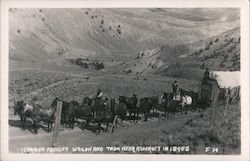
x: 134, y: 99
x: 175, y: 88
x: 99, y: 93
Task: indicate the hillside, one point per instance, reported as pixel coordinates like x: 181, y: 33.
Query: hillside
x: 220, y: 52
x: 53, y: 35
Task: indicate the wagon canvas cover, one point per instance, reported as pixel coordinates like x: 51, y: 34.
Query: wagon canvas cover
x: 226, y: 79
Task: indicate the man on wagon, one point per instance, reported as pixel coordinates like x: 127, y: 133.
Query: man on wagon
x: 205, y: 77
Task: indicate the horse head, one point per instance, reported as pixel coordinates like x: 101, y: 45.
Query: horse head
x: 18, y: 107
x: 54, y: 102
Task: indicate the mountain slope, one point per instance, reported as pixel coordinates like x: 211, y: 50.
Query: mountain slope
x: 220, y: 52
x: 53, y: 35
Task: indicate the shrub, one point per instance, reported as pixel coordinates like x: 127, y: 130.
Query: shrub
x: 119, y: 31
x: 207, y: 47
x: 99, y: 66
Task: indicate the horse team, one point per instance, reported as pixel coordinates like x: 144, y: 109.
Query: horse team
x: 98, y: 111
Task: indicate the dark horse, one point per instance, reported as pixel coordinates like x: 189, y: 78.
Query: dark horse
x: 101, y: 113
x: 168, y: 105
x: 147, y: 104
x: 68, y: 111
x: 36, y: 113
x: 93, y: 110
x: 131, y: 104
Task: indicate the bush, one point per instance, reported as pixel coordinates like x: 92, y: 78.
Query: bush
x: 99, y: 66
x: 207, y: 47
x: 119, y: 31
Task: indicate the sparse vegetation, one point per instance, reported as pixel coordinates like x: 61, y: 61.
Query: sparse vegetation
x: 200, y: 51
x: 99, y: 66
x: 207, y: 47
x: 119, y: 31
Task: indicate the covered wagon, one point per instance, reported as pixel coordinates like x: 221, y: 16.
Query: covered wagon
x: 220, y: 86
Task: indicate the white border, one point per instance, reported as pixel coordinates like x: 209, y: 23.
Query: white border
x: 243, y: 4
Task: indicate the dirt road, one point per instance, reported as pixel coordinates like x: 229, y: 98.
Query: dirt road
x: 142, y: 133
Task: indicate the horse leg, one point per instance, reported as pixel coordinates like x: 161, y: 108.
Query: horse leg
x: 22, y: 122
x: 145, y: 116
x: 137, y: 116
x: 116, y: 122
x: 99, y: 128
x: 35, y: 126
x: 48, y: 129
x: 107, y: 125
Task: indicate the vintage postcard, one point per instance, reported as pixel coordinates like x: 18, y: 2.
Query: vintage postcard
x: 108, y: 80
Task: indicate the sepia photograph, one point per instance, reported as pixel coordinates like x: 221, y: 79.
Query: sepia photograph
x: 125, y: 80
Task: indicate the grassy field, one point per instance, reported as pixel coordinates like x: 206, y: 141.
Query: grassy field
x: 197, y: 133
x: 42, y: 87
